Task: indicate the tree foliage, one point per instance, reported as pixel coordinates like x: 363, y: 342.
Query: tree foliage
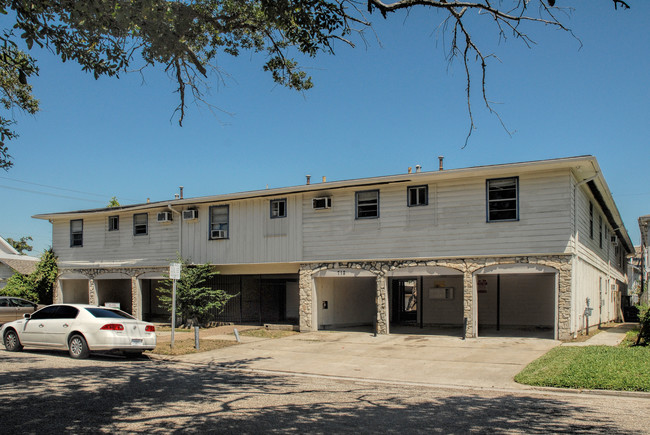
x: 186, y: 39
x: 21, y: 245
x: 196, y: 301
x: 37, y: 286
x: 113, y: 203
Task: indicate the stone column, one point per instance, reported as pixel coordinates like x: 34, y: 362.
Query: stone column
x: 468, y: 303
x: 136, y: 298
x: 381, y: 301
x: 92, y: 292
x: 564, y: 302
x: 306, y: 299
x: 56, y: 292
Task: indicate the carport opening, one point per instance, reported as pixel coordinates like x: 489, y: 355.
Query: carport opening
x: 74, y: 291
x: 426, y: 305
x: 346, y: 303
x: 116, y: 291
x: 516, y: 305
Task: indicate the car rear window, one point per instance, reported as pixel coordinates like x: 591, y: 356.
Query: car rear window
x: 108, y: 313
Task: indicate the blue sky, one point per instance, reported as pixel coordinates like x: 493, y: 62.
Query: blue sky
x: 375, y: 110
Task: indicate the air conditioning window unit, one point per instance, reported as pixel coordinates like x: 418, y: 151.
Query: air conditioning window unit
x: 321, y: 203
x: 218, y: 234
x: 614, y: 240
x: 189, y: 215
x: 165, y: 216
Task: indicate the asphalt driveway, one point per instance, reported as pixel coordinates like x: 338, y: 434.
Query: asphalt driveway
x: 417, y: 359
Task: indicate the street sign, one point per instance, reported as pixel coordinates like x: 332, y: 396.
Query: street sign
x: 175, y: 271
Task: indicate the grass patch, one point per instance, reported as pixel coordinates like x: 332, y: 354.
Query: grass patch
x: 186, y: 346
x: 630, y: 338
x: 168, y: 329
x: 591, y: 367
x: 267, y: 333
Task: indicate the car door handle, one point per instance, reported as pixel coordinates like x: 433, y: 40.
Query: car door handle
x: 65, y: 325
x: 41, y: 325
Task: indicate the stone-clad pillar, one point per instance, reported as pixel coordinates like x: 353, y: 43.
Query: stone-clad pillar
x: 468, y: 303
x: 56, y: 292
x: 381, y: 300
x: 564, y: 302
x: 136, y: 305
x: 306, y: 299
x: 92, y: 292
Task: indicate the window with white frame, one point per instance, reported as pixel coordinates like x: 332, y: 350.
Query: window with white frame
x: 76, y: 232
x: 367, y: 204
x: 113, y: 223
x: 417, y: 195
x: 278, y: 208
x: 502, y: 199
x: 219, y: 222
x: 140, y: 224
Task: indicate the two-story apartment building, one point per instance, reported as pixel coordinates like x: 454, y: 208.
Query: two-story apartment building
x: 524, y: 245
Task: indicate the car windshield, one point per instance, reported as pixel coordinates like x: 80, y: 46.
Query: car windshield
x: 108, y: 313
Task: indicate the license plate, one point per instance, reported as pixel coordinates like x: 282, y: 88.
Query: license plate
x: 136, y: 342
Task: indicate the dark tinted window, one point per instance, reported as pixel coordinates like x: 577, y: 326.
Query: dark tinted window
x: 45, y: 313
x: 108, y: 313
x: 4, y: 302
x: 66, y: 312
x: 22, y: 303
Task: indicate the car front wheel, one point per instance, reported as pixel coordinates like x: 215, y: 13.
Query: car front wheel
x: 77, y: 347
x: 12, y: 342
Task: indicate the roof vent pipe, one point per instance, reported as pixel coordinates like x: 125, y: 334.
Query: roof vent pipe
x: 148, y: 200
x: 418, y: 168
x: 308, y: 179
x: 410, y: 170
x: 176, y: 196
x: 324, y: 179
x: 440, y: 158
x: 181, y: 189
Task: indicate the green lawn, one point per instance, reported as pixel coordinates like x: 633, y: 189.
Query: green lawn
x: 591, y: 367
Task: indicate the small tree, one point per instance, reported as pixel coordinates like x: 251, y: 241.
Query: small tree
x: 644, y: 323
x: 113, y: 203
x: 37, y: 286
x: 21, y: 245
x: 196, y: 302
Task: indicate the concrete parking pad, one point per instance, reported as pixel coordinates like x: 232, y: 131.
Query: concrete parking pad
x: 435, y: 360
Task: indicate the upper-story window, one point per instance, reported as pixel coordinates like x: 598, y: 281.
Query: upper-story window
x: 417, y: 195
x: 113, y: 223
x: 591, y: 220
x: 600, y: 231
x: 278, y: 208
x: 219, y: 222
x: 140, y: 224
x: 76, y: 232
x: 367, y: 204
x: 502, y: 199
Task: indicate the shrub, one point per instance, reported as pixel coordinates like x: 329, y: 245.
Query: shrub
x: 644, y: 321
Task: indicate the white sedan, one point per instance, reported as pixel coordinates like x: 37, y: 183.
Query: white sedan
x: 80, y: 329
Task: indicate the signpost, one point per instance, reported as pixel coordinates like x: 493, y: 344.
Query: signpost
x: 174, y: 274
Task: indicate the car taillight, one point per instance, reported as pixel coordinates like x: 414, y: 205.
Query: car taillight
x: 150, y: 328
x: 112, y: 327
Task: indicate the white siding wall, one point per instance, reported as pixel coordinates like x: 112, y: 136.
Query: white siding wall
x: 453, y: 224
x: 5, y: 273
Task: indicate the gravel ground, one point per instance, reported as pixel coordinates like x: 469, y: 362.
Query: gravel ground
x: 47, y: 392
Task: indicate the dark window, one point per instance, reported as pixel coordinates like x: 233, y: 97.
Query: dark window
x: 278, y: 208
x: 109, y: 314
x: 219, y: 222
x: 22, y: 303
x: 503, y: 199
x: 140, y: 224
x: 591, y: 220
x: 600, y: 231
x: 418, y: 195
x: 113, y: 223
x: 45, y: 313
x: 367, y: 204
x: 76, y: 232
x: 66, y: 312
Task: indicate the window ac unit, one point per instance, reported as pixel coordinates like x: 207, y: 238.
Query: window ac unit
x: 218, y: 234
x: 614, y: 240
x: 321, y: 203
x: 188, y: 215
x: 165, y: 216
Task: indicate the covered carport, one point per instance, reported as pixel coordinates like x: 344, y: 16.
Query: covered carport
x: 344, y: 298
x: 114, y: 288
x: 516, y: 300
x: 73, y: 289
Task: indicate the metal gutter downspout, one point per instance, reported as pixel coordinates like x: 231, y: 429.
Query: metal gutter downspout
x: 180, y: 230
x: 576, y: 256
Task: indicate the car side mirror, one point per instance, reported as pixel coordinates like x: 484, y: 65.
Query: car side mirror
x: 27, y: 316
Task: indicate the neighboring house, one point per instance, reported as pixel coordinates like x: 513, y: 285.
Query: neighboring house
x: 11, y: 262
x: 524, y: 245
x: 644, y: 256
